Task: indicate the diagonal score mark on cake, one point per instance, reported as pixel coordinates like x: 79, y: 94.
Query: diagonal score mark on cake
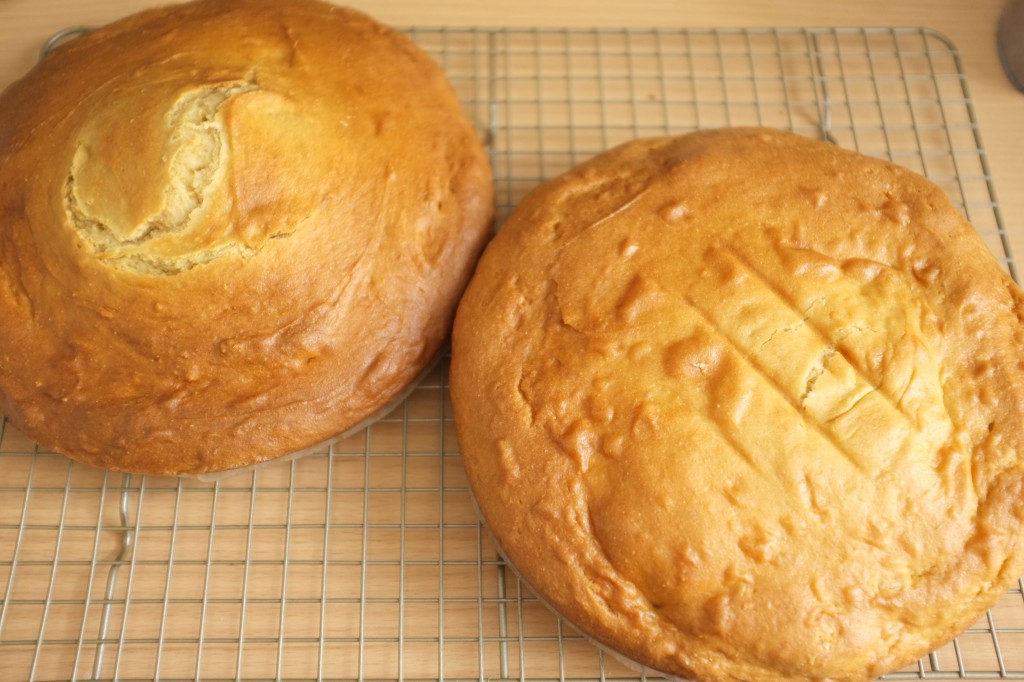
x: 830, y: 339
x: 804, y: 364
x: 730, y: 426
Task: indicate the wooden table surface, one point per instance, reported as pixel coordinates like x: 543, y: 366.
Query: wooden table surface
x: 25, y: 25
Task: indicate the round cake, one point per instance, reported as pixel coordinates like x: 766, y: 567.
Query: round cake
x: 742, y: 405
x: 229, y: 230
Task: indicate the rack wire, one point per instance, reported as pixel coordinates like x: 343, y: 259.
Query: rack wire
x: 366, y: 561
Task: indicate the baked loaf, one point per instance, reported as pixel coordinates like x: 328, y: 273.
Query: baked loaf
x: 229, y: 230
x: 742, y: 405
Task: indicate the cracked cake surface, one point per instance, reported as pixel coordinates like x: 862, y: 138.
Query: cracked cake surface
x: 229, y: 230
x: 744, y: 405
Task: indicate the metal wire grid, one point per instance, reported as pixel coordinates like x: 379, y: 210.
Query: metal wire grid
x: 366, y: 561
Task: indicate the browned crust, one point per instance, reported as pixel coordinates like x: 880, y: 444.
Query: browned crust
x: 319, y: 278
x: 744, y: 405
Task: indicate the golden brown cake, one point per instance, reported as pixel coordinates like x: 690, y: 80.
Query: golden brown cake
x: 742, y: 405
x: 229, y: 230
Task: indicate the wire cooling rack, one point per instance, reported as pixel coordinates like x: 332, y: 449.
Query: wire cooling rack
x: 366, y: 561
